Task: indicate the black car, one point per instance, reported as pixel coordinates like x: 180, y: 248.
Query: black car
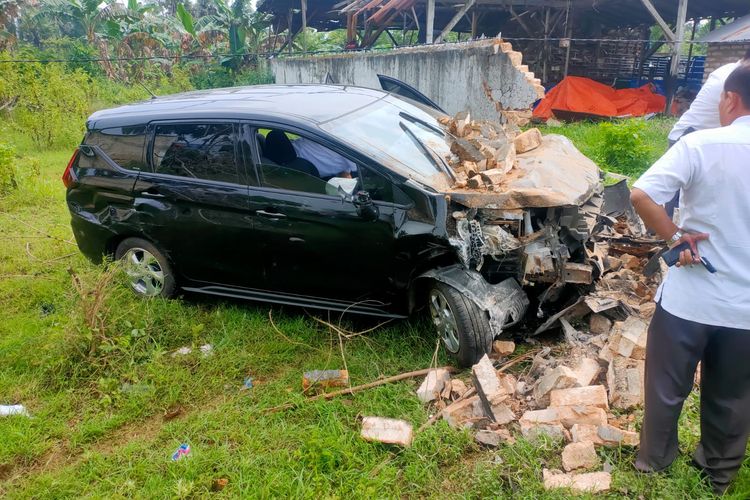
x: 329, y: 197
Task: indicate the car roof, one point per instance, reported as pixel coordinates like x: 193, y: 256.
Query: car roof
x: 310, y: 104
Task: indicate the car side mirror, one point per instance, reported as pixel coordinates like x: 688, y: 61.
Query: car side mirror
x: 365, y: 207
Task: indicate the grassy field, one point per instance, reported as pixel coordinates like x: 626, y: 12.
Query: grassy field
x: 109, y: 404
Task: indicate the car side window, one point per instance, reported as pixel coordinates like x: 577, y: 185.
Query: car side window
x: 291, y: 162
x: 200, y: 151
x: 123, y: 145
x: 381, y: 189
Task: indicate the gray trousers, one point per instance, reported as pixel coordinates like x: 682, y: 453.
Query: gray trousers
x: 674, y: 348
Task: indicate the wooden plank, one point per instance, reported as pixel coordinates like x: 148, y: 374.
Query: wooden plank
x: 448, y: 27
x: 668, y: 33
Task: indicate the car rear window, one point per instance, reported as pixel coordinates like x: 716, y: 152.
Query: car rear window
x: 200, y: 151
x: 123, y: 145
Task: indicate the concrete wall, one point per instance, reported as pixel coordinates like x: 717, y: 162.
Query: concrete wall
x: 482, y: 76
x: 720, y: 54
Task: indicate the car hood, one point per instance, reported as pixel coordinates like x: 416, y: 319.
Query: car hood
x: 552, y: 175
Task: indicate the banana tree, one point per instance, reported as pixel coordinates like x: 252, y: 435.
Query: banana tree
x: 235, y: 30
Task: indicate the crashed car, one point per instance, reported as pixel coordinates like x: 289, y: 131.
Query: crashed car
x: 211, y: 192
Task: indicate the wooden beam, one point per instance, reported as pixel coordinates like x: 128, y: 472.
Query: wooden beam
x: 454, y: 20
x: 430, y: 21
x: 474, y: 22
x: 521, y: 22
x: 674, y: 67
x: 668, y: 33
x: 569, y: 36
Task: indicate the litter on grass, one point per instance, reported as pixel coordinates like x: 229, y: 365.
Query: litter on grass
x: 8, y: 410
x: 182, y: 451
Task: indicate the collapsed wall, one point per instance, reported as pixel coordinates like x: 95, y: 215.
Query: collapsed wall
x: 483, y: 77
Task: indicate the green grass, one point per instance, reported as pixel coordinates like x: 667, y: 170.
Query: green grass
x: 90, y: 438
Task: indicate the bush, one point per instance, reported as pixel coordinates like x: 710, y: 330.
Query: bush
x: 622, y: 148
x: 7, y: 169
x: 52, y: 104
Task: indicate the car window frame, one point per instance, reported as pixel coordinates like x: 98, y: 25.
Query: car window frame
x: 240, y: 164
x: 323, y: 141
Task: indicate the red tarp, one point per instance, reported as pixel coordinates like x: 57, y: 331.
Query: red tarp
x: 583, y: 95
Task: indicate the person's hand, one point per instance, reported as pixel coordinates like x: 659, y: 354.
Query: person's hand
x: 690, y: 257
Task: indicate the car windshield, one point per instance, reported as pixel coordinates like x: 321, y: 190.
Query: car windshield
x: 399, y: 135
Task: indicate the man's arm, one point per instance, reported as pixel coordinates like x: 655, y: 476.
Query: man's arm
x: 656, y: 219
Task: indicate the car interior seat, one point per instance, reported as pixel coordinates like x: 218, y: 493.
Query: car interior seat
x: 278, y: 148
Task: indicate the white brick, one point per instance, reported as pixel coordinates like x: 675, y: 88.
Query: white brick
x: 591, y: 482
x: 433, y: 385
x: 593, y: 395
x: 387, y: 430
x: 580, y: 455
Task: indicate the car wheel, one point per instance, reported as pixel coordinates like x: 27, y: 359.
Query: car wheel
x: 147, y: 269
x: 464, y: 328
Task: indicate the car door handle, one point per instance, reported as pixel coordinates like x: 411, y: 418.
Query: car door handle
x: 270, y: 215
x: 151, y: 192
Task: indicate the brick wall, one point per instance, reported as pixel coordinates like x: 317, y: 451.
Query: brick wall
x: 720, y: 54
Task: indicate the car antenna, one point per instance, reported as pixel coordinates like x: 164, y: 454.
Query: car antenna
x: 153, y: 96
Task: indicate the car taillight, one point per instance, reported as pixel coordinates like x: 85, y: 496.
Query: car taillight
x: 69, y: 177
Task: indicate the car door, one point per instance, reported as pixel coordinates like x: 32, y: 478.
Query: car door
x: 193, y: 202
x: 315, y: 242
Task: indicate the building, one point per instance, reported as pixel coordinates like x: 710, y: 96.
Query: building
x: 727, y: 44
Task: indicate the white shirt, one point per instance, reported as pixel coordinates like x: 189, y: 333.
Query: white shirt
x: 704, y: 111
x: 329, y: 163
x: 712, y: 168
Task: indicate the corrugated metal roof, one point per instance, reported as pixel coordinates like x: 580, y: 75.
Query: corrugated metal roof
x: 737, y: 31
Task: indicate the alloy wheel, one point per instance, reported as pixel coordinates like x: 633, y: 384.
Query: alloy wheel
x: 444, y: 320
x: 145, y: 272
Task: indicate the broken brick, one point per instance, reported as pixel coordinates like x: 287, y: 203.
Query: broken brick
x: 501, y: 414
x: 493, y: 438
x: 632, y: 339
x: 586, y: 371
x: 475, y: 182
x: 612, y: 436
x: 325, y: 378
x: 561, y: 377
x: 494, y: 176
x: 466, y: 151
x: 461, y: 180
x: 461, y: 413
x: 585, y: 432
x: 590, y: 482
x: 600, y: 324
x: 433, y: 385
x: 581, y: 455
x: 593, y: 395
x: 526, y: 141
x: 568, y: 416
x: 625, y: 380
x: 533, y: 432
x: 486, y: 383
x: 458, y: 388
x: 504, y: 347
x: 387, y: 430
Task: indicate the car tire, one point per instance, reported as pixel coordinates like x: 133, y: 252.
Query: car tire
x: 463, y: 327
x: 147, y: 268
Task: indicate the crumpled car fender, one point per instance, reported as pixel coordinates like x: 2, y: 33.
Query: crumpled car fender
x: 506, y: 302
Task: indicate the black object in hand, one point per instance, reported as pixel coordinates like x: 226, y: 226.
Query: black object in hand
x: 672, y: 257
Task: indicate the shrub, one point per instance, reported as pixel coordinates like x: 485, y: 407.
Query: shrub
x: 52, y: 104
x: 622, y: 148
x: 7, y: 169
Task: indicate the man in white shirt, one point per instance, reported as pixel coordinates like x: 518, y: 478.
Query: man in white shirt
x: 704, y: 110
x: 701, y: 316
